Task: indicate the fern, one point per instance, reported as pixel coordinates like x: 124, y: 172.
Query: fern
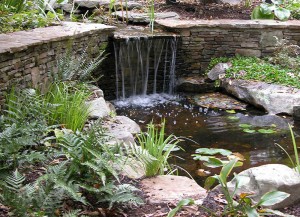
x: 16, y: 195
x: 77, y: 69
x: 123, y: 194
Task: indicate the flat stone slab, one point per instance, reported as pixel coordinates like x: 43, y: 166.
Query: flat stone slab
x: 134, y: 17
x: 18, y: 41
x: 194, y: 84
x: 169, y: 188
x: 92, y: 4
x: 275, y: 99
x: 228, y: 23
x: 219, y: 100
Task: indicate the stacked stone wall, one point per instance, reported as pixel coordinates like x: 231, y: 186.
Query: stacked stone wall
x: 203, y: 40
x: 27, y: 58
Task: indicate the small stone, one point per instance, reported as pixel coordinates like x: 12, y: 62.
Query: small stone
x: 218, y: 71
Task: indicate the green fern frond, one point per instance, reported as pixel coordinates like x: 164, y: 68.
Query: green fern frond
x: 15, y: 181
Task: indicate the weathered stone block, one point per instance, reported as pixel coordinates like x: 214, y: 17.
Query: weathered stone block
x: 248, y: 52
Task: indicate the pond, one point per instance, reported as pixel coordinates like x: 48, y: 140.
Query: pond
x: 211, y: 128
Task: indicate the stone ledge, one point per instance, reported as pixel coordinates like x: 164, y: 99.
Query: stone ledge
x: 18, y: 41
x: 228, y: 23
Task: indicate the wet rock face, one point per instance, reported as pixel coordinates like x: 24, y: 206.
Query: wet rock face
x: 194, y: 84
x: 270, y: 177
x: 275, y: 99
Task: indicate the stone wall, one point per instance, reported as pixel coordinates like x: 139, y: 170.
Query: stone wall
x: 27, y: 57
x: 202, y: 40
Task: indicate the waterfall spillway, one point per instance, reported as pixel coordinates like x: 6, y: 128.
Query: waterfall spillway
x: 144, y: 66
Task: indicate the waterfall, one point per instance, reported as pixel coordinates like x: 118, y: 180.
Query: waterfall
x: 145, y: 65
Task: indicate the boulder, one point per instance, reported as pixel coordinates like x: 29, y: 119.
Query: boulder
x: 270, y: 177
x: 169, y: 188
x: 122, y: 128
x: 275, y: 99
x: 296, y: 113
x: 144, y: 17
x: 264, y: 121
x: 194, y: 84
x: 98, y: 108
x: 218, y: 71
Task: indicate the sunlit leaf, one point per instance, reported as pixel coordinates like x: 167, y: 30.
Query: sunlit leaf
x: 180, y: 204
x: 231, y: 111
x: 233, y: 118
x: 213, y: 162
x: 272, y: 198
x: 282, y: 13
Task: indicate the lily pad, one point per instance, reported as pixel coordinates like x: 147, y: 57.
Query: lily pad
x: 245, y: 126
x: 233, y: 118
x: 266, y: 131
x: 249, y: 130
x: 231, y: 111
x: 213, y: 151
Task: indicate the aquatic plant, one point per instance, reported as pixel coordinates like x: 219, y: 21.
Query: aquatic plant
x: 295, y: 163
x: 158, y: 146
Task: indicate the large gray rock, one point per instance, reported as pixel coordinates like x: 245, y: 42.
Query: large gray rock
x: 122, y: 128
x: 264, y: 121
x: 218, y: 71
x: 194, y: 84
x: 270, y: 177
x: 134, y: 17
x: 275, y: 99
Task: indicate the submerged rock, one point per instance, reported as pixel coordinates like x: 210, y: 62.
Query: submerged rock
x: 270, y: 177
x: 264, y: 121
x: 194, y: 84
x: 169, y: 188
x: 219, y: 100
x: 275, y: 99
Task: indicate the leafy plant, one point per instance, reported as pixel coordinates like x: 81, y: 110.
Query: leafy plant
x: 269, y: 11
x: 243, y: 204
x: 66, y: 105
x: 77, y: 69
x: 158, y: 147
x: 13, y: 5
x: 295, y: 163
x: 180, y: 204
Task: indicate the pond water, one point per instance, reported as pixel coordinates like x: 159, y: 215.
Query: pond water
x: 210, y: 128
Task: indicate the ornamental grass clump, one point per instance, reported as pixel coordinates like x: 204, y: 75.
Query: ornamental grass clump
x: 159, y: 147
x: 66, y: 105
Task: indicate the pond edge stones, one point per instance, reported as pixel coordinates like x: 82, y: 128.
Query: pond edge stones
x: 268, y: 178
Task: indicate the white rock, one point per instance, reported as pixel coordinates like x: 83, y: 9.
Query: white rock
x: 275, y: 99
x: 268, y: 178
x: 98, y: 108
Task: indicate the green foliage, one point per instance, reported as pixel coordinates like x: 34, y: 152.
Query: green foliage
x: 184, y: 202
x: 295, y: 163
x: 22, y: 129
x: 158, y: 147
x: 252, y: 68
x: 270, y: 11
x: 66, y: 105
x: 79, y: 69
x: 286, y: 55
x: 243, y: 206
x: 13, y: 5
